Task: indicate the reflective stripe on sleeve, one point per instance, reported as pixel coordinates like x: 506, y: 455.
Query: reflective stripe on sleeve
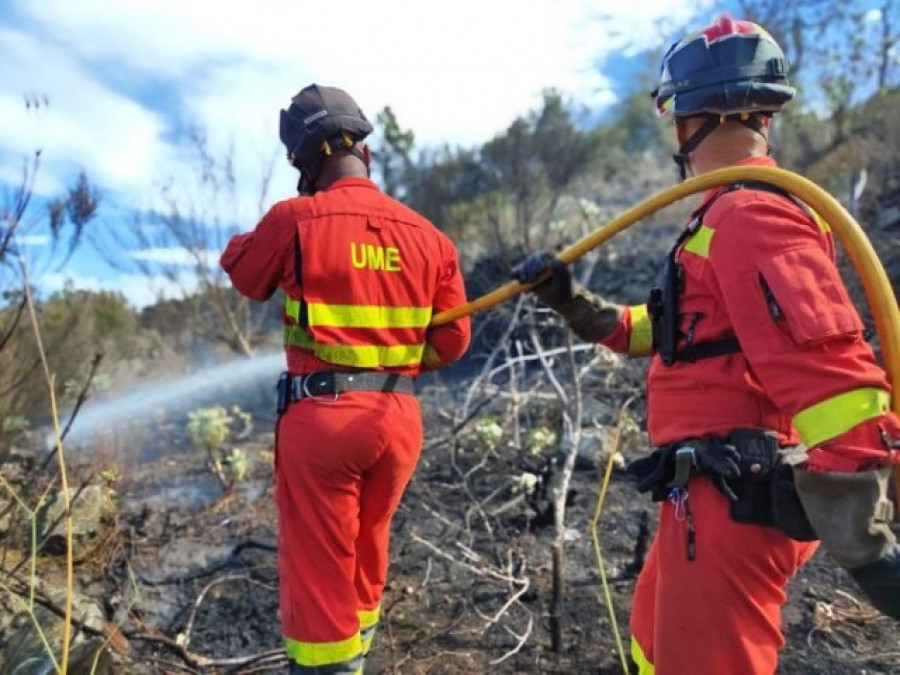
x: 836, y: 415
x: 637, y: 655
x: 640, y: 341
x: 367, y: 316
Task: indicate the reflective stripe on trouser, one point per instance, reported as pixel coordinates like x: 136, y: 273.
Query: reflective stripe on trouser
x: 341, y: 470
x: 368, y: 621
x: 721, y: 612
x: 344, y: 657
x: 644, y: 667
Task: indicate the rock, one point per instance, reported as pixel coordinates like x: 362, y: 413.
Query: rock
x: 594, y: 412
x: 24, y: 651
x: 91, y: 511
x: 90, y: 658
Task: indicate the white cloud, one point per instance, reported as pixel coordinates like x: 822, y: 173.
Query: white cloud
x: 458, y: 72
x: 85, y: 124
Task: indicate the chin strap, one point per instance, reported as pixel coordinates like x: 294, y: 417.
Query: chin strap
x: 682, y: 157
x: 309, y: 175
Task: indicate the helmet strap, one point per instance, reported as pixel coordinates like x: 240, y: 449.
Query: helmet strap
x: 309, y: 175
x: 682, y: 157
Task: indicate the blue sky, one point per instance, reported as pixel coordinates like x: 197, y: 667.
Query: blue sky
x: 126, y: 78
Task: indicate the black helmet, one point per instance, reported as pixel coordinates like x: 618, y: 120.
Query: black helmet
x: 728, y: 68
x: 320, y: 120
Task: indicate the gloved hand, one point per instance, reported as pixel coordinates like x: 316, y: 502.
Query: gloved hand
x: 556, y: 290
x: 711, y: 456
x: 654, y: 472
x: 851, y: 513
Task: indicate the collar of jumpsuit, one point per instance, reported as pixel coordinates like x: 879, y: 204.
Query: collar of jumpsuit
x: 753, y: 160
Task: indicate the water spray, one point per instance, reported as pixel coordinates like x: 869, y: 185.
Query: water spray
x: 205, y: 386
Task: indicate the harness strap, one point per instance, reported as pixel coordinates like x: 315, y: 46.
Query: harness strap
x: 667, y: 316
x: 707, y: 350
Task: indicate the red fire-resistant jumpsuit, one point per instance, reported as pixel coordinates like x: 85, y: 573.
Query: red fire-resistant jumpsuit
x: 803, y: 370
x: 371, y: 274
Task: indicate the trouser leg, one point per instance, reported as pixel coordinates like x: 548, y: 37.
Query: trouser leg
x: 643, y: 613
x: 323, y: 451
x: 721, y: 611
x: 382, y: 488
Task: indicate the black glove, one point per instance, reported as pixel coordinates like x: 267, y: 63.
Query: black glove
x: 554, y: 291
x: 653, y: 473
x: 717, y: 459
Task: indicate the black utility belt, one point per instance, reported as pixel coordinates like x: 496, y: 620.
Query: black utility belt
x: 747, y: 466
x: 328, y: 385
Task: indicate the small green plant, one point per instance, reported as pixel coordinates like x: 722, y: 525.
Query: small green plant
x: 488, y: 432
x: 525, y: 483
x: 209, y: 429
x: 72, y: 387
x: 538, y: 439
x: 15, y: 424
x: 110, y: 476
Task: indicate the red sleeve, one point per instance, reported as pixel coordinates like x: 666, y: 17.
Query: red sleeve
x: 256, y: 261
x: 448, y: 342
x: 792, y: 314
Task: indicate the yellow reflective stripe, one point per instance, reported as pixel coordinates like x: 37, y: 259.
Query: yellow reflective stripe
x: 368, y: 617
x: 637, y: 655
x: 836, y: 415
x: 370, y: 356
x: 323, y: 653
x: 430, y: 358
x: 292, y: 308
x: 368, y: 620
x: 367, y: 316
x: 640, y: 342
x: 700, y: 241
x: 297, y: 336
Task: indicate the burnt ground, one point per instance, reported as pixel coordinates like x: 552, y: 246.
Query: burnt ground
x: 188, y: 579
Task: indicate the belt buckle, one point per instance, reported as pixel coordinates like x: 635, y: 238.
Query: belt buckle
x: 304, y: 387
x: 685, y: 460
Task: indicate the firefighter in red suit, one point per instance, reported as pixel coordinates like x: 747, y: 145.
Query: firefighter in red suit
x: 362, y: 276
x: 757, y: 355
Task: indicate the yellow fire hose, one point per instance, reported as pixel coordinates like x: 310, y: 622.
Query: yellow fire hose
x: 875, y: 282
